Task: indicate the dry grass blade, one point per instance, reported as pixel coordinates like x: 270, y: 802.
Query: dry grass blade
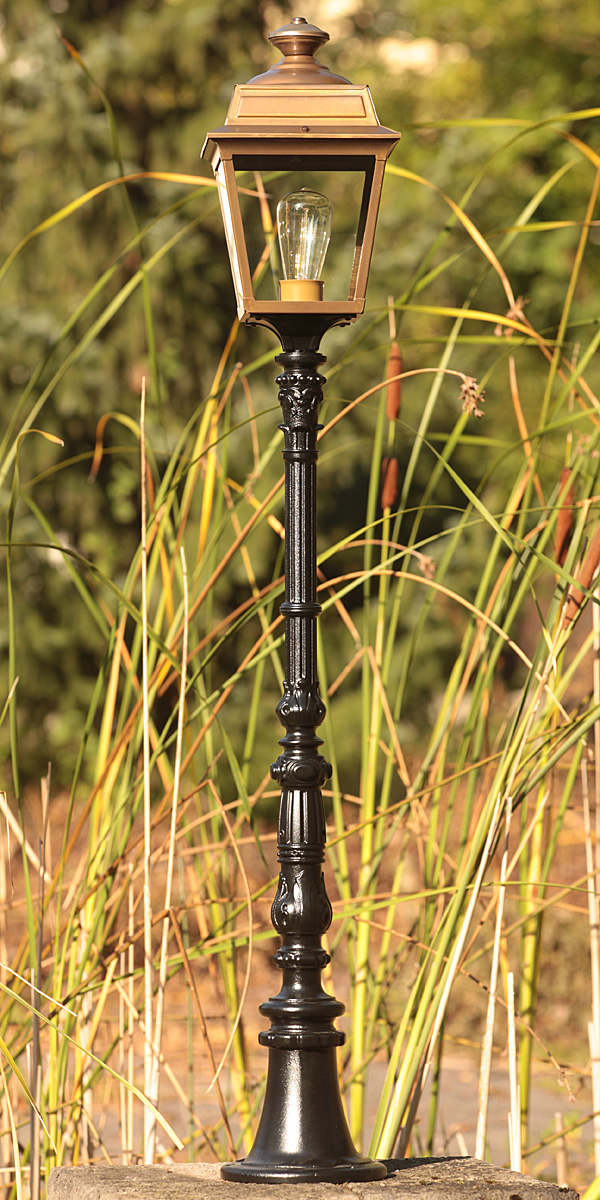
x: 562, y: 1157
x: 514, y: 388
x: 13, y: 1133
x: 398, y: 755
x: 593, y: 894
x: 86, y: 1052
x: 12, y: 826
x: 247, y: 890
x: 485, y: 1069
x: 137, y: 1018
x: 149, y: 1124
x: 162, y: 972
x: 386, y: 383
x: 434, y: 584
x: 36, y: 976
x: 74, y: 205
x: 95, y: 1020
x: 452, y: 969
x: 469, y: 225
x: 514, y: 1115
x: 203, y: 1029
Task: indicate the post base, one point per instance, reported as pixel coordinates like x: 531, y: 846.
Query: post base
x: 303, y: 1134
x: 352, y: 1170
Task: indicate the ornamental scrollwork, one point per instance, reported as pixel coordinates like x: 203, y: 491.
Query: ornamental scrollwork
x: 301, y: 904
x: 300, y: 396
x: 306, y: 772
x: 301, y: 704
x: 301, y: 958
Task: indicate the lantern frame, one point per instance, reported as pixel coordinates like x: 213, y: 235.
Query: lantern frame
x: 299, y: 116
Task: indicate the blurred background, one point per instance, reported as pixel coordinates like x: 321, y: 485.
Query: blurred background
x: 432, y: 713
x: 92, y: 91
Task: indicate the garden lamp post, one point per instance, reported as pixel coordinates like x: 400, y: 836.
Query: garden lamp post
x: 295, y: 122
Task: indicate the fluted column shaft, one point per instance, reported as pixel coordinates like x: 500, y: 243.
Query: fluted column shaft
x: 302, y: 1013
x: 303, y: 1133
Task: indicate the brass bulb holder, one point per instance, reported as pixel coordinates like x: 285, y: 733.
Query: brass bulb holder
x: 301, y: 290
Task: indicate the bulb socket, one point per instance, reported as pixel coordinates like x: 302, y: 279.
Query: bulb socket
x: 304, y: 290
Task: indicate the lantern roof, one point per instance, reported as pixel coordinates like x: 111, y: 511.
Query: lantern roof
x: 298, y: 42
x: 299, y: 98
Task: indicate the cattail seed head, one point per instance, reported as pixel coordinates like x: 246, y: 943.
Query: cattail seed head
x: 389, y: 482
x: 394, y: 387
x: 586, y: 574
x: 564, y: 520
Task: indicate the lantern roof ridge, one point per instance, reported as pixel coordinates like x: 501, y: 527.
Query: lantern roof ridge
x: 298, y: 42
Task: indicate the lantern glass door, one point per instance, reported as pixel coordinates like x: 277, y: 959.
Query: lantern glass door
x: 344, y: 189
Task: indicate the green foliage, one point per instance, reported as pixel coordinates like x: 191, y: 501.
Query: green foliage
x: 151, y: 79
x: 452, y: 677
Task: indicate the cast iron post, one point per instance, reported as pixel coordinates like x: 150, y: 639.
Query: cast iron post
x: 303, y: 1133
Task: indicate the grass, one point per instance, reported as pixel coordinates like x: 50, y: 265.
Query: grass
x: 134, y: 911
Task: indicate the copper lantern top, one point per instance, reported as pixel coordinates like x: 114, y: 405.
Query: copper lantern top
x: 315, y: 102
x: 298, y: 42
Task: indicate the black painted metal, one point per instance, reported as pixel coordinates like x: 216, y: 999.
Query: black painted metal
x: 299, y: 331
x: 303, y: 1133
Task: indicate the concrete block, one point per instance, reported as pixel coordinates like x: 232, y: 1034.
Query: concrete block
x: 408, y: 1179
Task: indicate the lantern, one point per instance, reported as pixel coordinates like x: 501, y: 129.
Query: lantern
x: 299, y: 117
x: 300, y: 126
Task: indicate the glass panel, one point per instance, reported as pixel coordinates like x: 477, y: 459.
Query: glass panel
x: 343, y: 189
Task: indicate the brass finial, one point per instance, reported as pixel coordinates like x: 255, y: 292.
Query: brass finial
x: 298, y: 42
x: 298, y: 37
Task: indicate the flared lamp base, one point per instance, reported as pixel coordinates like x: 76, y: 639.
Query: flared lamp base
x: 303, y: 1134
x: 352, y: 1170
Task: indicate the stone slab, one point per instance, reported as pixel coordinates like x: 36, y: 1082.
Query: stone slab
x: 414, y: 1178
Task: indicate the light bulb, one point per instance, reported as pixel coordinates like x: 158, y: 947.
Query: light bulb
x: 304, y: 228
